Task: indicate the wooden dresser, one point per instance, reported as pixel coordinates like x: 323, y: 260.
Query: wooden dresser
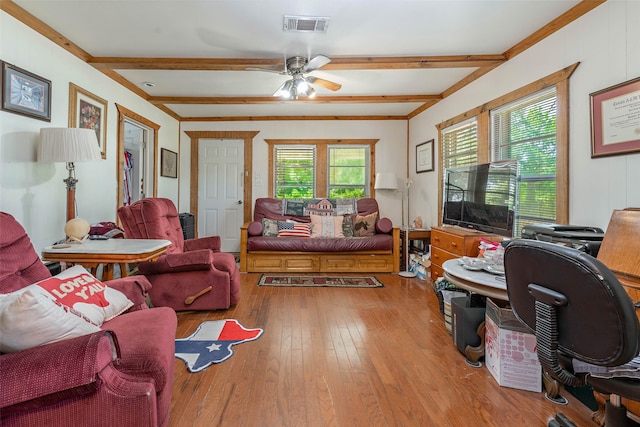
x: 449, y: 242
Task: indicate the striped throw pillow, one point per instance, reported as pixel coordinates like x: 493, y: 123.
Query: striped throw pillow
x: 293, y: 229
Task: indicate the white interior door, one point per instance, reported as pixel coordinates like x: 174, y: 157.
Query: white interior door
x: 220, y: 194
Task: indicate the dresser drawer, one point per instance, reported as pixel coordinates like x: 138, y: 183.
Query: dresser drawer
x: 436, y: 271
x: 439, y: 256
x: 448, y: 242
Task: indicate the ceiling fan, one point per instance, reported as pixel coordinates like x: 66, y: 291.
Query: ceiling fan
x: 299, y: 84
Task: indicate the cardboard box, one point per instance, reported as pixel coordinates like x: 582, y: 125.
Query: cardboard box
x: 510, y: 350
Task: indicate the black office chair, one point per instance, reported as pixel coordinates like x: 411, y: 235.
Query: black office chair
x: 578, y: 310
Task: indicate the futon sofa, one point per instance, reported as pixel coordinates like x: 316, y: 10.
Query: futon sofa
x: 119, y: 374
x: 319, y: 236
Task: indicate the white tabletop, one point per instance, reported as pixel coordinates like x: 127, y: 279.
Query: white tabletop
x: 111, y: 246
x: 481, y: 282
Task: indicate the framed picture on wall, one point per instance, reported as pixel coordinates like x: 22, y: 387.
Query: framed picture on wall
x: 615, y: 119
x: 25, y: 93
x: 424, y: 157
x: 88, y: 111
x: 169, y: 162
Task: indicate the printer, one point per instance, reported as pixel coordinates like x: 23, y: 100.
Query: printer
x: 584, y: 238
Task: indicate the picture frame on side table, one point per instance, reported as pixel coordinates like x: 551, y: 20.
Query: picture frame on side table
x: 25, y: 93
x: 88, y: 111
x: 424, y: 157
x: 169, y: 162
x: 615, y: 119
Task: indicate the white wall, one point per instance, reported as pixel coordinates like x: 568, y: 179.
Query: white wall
x: 606, y: 42
x: 390, y: 150
x: 34, y: 192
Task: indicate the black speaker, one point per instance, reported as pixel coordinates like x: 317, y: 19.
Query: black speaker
x: 466, y: 316
x: 188, y: 225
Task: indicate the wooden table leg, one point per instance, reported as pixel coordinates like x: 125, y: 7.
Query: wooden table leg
x: 123, y: 270
x: 107, y: 271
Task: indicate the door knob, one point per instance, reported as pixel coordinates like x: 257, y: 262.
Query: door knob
x: 239, y: 202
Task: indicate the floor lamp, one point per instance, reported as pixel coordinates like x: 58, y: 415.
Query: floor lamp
x: 68, y: 145
x: 389, y: 181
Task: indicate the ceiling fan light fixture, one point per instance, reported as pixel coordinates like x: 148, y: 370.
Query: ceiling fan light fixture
x: 312, y: 92
x: 285, y: 90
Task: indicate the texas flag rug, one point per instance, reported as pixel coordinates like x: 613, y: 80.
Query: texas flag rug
x: 212, y: 342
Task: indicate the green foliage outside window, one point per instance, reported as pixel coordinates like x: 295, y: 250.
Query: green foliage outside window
x: 348, y: 172
x: 528, y: 133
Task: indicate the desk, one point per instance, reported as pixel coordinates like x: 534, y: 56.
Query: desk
x: 414, y: 234
x: 92, y: 253
x: 478, y: 282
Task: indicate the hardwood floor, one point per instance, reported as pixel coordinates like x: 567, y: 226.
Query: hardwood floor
x: 348, y: 357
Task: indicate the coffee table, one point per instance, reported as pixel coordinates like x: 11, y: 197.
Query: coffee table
x: 91, y: 253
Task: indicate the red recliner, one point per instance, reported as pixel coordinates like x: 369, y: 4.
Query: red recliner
x: 194, y: 274
x: 121, y: 376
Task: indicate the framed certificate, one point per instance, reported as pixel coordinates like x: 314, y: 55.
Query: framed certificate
x: 424, y: 157
x: 615, y: 119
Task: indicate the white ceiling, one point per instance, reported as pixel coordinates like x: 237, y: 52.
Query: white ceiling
x: 253, y: 29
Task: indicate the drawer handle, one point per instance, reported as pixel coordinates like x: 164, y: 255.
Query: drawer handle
x: 437, y: 239
x: 454, y: 244
x: 436, y: 256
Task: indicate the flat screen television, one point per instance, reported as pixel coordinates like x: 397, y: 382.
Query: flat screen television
x: 482, y: 197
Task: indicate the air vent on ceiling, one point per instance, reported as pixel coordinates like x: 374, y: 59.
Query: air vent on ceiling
x: 305, y: 24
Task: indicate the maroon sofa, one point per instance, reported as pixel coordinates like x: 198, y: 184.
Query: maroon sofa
x: 121, y: 376
x: 259, y: 253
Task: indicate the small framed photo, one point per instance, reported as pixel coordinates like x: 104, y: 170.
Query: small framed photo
x: 615, y: 119
x: 25, y: 93
x: 424, y: 157
x: 169, y: 162
x: 88, y: 111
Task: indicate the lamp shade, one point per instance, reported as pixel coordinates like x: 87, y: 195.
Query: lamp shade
x: 68, y: 145
x: 386, y: 181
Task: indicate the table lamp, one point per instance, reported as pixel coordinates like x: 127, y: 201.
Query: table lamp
x: 68, y: 145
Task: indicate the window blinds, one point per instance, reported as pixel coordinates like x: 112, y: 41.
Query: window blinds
x: 294, y: 171
x: 460, y: 145
x: 526, y: 130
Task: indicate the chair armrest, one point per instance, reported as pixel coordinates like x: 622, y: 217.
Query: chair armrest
x: 175, y: 263
x: 384, y: 226
x: 211, y: 242
x: 69, y: 366
x: 255, y: 228
x: 136, y: 288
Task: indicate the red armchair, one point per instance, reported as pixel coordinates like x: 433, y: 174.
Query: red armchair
x: 122, y: 375
x: 194, y: 274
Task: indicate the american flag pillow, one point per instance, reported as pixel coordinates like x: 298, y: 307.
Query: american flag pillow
x: 294, y: 229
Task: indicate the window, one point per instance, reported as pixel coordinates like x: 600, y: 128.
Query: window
x: 526, y: 130
x: 295, y: 171
x: 348, y: 167
x: 529, y: 124
x: 321, y: 168
x: 460, y: 145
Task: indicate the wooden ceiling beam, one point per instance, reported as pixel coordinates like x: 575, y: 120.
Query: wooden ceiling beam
x: 274, y: 64
x: 203, y: 100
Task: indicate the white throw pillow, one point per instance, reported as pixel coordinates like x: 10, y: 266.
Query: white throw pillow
x: 76, y: 288
x: 29, y: 319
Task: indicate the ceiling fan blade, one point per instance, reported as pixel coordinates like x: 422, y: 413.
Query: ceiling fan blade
x: 316, y: 62
x: 324, y: 83
x: 268, y: 70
